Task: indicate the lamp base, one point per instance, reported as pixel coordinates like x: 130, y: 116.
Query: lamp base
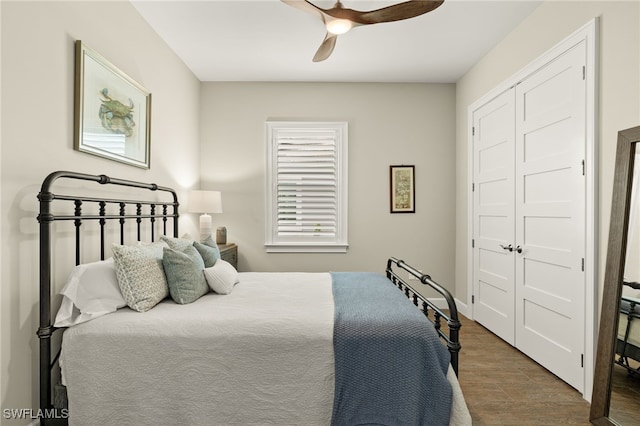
x: 206, y: 228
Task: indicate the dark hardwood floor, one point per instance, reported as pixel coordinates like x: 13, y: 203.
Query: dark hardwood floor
x: 504, y: 387
x: 625, y: 396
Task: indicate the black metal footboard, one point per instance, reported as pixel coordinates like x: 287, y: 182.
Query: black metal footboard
x: 630, y: 310
x: 80, y: 209
x: 451, y: 337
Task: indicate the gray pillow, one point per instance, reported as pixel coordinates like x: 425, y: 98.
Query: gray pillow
x: 185, y: 274
x: 209, y: 254
x: 140, y: 275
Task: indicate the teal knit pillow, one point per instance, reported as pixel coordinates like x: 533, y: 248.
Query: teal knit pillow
x: 209, y: 254
x: 212, y: 243
x: 179, y: 244
x: 185, y: 274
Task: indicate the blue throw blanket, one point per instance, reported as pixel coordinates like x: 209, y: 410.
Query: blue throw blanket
x: 390, y: 365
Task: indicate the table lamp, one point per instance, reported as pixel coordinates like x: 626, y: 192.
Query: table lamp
x: 205, y: 202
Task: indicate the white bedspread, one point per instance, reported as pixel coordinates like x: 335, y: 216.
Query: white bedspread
x: 221, y: 360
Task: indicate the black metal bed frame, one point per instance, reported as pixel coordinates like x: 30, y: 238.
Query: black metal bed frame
x: 158, y: 210
x: 452, y: 338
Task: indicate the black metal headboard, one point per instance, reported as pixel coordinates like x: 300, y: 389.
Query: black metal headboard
x: 96, y: 208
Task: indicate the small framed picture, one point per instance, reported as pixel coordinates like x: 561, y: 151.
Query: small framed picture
x: 112, y: 111
x: 403, y: 189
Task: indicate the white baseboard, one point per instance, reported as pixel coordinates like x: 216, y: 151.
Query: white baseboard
x: 463, y: 308
x: 440, y: 302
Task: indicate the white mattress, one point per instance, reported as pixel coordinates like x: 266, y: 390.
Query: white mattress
x: 634, y: 331
x: 221, y: 360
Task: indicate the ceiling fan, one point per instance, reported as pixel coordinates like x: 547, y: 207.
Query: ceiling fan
x: 338, y: 20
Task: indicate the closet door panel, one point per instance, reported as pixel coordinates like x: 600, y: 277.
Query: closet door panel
x: 550, y: 216
x: 493, y: 275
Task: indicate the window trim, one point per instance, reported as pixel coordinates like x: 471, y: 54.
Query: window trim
x: 276, y: 244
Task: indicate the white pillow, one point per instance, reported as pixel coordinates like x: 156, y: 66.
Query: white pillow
x: 91, y: 291
x: 221, y: 277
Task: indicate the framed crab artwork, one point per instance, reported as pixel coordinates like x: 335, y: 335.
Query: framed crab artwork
x: 112, y: 111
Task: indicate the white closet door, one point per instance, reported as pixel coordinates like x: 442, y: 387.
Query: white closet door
x: 493, y: 198
x: 550, y: 216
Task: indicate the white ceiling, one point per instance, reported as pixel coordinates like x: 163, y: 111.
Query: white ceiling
x: 267, y: 40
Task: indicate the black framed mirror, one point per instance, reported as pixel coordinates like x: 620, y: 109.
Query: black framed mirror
x: 607, y: 370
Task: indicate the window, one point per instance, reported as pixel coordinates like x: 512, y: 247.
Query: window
x: 306, y: 187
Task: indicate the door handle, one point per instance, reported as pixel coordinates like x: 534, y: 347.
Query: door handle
x: 509, y: 247
x: 519, y: 249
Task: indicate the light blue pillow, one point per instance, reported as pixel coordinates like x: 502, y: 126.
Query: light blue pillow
x: 212, y: 243
x: 185, y: 274
x: 209, y: 254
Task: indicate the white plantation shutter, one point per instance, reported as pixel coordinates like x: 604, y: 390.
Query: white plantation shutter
x: 306, y: 189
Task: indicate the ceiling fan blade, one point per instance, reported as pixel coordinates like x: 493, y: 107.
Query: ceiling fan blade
x: 306, y: 6
x: 397, y: 12
x: 346, y: 18
x: 325, y: 48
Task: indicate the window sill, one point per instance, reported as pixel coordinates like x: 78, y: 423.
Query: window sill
x: 306, y: 248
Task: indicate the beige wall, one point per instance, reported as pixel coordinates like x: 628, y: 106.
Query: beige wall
x: 37, y: 138
x: 388, y: 124
x: 619, y: 86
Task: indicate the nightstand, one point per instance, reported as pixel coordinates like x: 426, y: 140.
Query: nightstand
x: 229, y: 253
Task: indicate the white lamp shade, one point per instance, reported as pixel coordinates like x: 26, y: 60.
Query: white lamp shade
x: 205, y: 202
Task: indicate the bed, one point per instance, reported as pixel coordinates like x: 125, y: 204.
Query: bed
x: 628, y: 340
x: 340, y: 348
